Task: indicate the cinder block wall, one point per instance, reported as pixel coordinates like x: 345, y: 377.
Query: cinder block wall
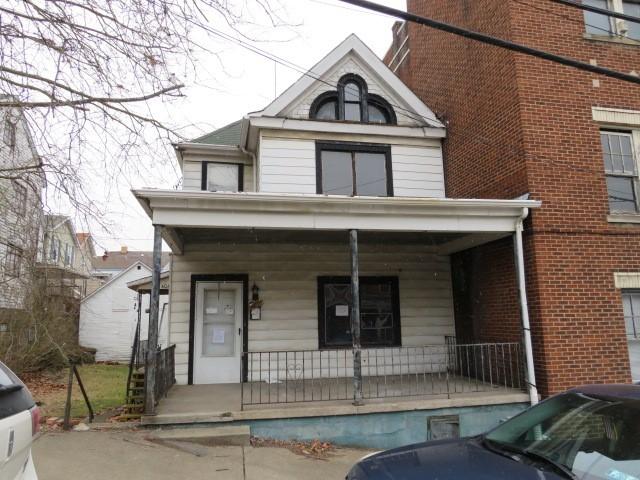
x: 522, y: 125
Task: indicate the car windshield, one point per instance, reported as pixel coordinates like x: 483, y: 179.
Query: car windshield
x: 593, y: 438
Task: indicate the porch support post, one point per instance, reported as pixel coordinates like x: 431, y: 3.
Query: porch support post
x: 355, y: 319
x: 524, y: 310
x: 154, y: 309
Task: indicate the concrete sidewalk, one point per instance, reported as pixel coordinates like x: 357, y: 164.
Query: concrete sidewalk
x: 120, y: 455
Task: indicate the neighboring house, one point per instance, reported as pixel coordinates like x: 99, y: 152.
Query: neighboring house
x: 86, y: 254
x: 61, y: 260
x: 112, y: 263
x: 337, y: 186
x: 21, y: 211
x: 519, y: 125
x: 109, y: 315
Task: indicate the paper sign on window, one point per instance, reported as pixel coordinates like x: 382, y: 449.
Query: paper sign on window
x: 228, y: 310
x: 342, y: 310
x: 211, y: 310
x: 218, y: 335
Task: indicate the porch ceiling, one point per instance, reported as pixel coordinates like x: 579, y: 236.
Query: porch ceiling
x: 456, y: 223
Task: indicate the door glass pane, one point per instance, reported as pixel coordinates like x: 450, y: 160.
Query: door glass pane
x: 371, y: 174
x: 633, y: 9
x: 352, y: 112
x: 219, y: 323
x: 376, y: 314
x: 621, y: 194
x: 337, y: 314
x: 222, y: 177
x: 337, y: 173
x: 596, y: 23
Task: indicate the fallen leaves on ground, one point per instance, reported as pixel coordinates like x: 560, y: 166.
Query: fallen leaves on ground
x: 314, y: 449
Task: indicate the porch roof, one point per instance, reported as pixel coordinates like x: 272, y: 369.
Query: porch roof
x: 179, y: 211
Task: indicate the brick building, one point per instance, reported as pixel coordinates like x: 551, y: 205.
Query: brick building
x: 519, y: 125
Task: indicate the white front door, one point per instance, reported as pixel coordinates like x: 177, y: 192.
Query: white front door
x: 218, y: 332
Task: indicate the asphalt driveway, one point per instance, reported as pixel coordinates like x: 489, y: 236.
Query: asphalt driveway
x: 115, y: 455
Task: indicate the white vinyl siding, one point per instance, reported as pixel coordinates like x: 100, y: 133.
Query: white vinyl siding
x: 417, y: 171
x: 287, y: 276
x: 287, y: 165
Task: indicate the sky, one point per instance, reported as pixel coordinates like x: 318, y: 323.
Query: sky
x: 233, y: 82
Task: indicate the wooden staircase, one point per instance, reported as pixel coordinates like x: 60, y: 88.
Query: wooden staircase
x: 134, y: 405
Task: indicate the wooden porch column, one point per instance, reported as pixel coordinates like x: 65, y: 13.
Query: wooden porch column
x: 355, y: 319
x: 154, y: 309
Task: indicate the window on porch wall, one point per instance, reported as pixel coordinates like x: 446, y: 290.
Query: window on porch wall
x: 379, y: 312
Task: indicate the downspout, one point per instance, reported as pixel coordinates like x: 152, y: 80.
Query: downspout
x: 524, y: 308
x: 244, y: 136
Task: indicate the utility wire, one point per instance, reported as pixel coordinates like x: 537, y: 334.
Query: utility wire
x: 603, y: 11
x: 498, y: 42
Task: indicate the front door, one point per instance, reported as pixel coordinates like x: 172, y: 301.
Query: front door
x: 218, y: 332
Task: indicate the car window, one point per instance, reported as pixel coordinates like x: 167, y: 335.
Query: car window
x: 14, y: 396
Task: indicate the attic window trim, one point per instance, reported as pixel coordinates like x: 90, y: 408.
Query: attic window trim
x: 366, y: 99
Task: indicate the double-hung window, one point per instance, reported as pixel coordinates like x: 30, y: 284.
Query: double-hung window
x: 379, y: 312
x: 631, y: 308
x: 598, y: 24
x: 13, y: 261
x: 222, y: 177
x: 620, y: 166
x: 353, y: 169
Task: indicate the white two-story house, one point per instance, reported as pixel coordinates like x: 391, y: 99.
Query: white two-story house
x: 335, y: 187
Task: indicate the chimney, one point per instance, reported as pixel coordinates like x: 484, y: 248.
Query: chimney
x: 124, y: 250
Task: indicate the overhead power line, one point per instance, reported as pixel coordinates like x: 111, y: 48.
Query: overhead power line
x: 603, y: 11
x: 498, y: 42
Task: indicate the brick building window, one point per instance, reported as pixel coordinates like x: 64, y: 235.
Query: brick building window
x: 631, y: 307
x: 621, y: 170
x: 13, y: 261
x: 599, y: 24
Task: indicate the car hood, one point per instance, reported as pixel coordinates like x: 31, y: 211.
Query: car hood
x: 445, y: 460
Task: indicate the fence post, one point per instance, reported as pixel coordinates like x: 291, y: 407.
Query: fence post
x: 355, y: 319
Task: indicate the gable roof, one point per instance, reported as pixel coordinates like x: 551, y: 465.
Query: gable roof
x: 54, y: 222
x: 227, y: 135
x: 114, y: 278
x: 353, y: 44
x: 116, y: 260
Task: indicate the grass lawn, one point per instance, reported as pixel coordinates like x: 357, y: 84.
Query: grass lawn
x: 105, y: 386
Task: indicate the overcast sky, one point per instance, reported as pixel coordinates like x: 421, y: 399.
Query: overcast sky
x: 237, y: 82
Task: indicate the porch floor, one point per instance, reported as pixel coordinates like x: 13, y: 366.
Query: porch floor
x: 222, y: 402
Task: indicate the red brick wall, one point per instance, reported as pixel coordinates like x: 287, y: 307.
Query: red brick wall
x: 518, y: 124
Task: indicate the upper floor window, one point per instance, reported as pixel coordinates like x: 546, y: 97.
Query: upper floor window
x: 620, y: 166
x: 600, y: 24
x: 20, y: 201
x: 353, y: 169
x: 352, y: 102
x: 13, y: 261
x: 222, y: 177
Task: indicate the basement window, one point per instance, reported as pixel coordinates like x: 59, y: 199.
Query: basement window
x: 222, y: 177
x: 443, y: 427
x: 379, y: 312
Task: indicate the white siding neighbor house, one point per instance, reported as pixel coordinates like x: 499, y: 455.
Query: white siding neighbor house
x: 109, y: 316
x: 311, y: 249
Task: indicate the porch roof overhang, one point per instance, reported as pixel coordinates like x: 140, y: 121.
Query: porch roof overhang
x: 178, y: 211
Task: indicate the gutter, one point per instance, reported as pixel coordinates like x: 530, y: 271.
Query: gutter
x: 524, y: 308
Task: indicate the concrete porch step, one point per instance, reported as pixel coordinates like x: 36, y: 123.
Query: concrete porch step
x: 213, y: 436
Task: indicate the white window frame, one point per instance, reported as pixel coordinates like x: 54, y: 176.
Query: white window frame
x: 634, y: 136
x: 619, y: 27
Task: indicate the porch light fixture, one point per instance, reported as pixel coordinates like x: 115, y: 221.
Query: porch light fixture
x: 255, y: 305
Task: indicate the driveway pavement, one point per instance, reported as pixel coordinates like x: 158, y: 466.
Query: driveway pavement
x: 115, y: 455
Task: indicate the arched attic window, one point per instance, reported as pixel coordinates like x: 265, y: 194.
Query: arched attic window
x: 352, y: 102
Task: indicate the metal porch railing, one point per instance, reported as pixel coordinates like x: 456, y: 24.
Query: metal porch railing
x: 325, y: 375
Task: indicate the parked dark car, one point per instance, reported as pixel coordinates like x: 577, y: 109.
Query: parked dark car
x: 587, y: 433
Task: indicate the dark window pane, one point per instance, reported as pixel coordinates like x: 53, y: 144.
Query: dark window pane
x: 352, y: 112
x: 377, y: 115
x: 621, y: 194
x: 337, y: 174
x: 371, y: 174
x: 222, y: 177
x: 327, y: 111
x: 633, y: 9
x: 376, y: 314
x: 351, y: 92
x: 596, y: 23
x: 337, y: 314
